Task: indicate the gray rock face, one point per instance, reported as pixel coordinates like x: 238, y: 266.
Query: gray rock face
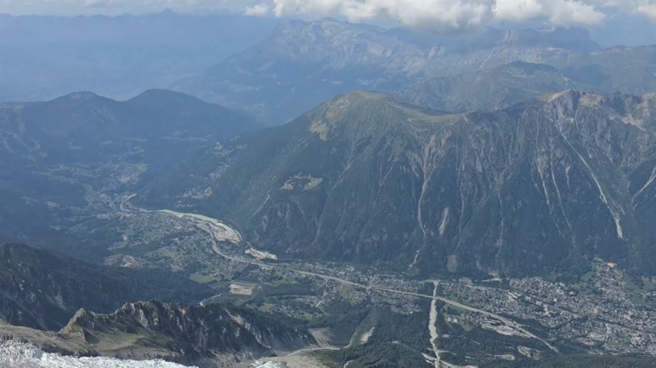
x: 185, y: 334
x: 534, y: 189
x: 206, y: 336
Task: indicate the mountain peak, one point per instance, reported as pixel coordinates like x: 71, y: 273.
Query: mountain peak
x: 363, y: 95
x: 160, y: 97
x: 329, y: 20
x: 82, y: 95
x: 80, y: 100
x: 366, y: 112
x: 371, y: 97
x: 321, y: 29
x: 374, y: 102
x: 620, y: 102
x: 156, y: 92
x: 80, y: 319
x: 566, y: 95
x: 630, y: 109
x: 572, y: 39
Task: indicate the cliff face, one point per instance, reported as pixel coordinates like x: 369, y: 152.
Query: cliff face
x: 40, y: 289
x: 190, y: 333
x: 200, y: 335
x: 534, y: 189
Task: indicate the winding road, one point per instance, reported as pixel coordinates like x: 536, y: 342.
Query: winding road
x: 434, y: 297
x: 215, y: 248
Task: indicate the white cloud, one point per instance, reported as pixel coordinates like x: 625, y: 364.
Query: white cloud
x: 647, y: 9
x: 459, y: 15
x: 557, y: 12
x: 259, y: 10
x: 440, y: 15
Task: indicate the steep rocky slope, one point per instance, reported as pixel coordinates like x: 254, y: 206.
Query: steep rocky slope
x: 40, y: 289
x: 534, y: 189
x: 207, y: 336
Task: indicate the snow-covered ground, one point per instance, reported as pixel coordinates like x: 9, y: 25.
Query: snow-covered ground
x: 266, y: 365
x: 17, y: 355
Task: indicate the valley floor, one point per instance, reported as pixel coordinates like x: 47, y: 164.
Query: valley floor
x: 530, y: 298
x: 516, y: 319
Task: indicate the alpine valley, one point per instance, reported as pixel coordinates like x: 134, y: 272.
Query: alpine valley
x: 339, y: 195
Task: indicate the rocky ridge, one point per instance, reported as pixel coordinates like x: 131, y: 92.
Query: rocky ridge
x: 201, y: 335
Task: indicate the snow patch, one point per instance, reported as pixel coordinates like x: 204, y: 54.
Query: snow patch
x: 267, y: 365
x: 445, y: 220
x: 367, y: 335
x: 19, y: 355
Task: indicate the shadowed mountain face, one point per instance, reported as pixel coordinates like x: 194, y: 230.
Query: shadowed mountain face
x: 208, y: 336
x: 533, y: 189
x: 62, y: 152
x: 43, y: 290
x: 86, y: 127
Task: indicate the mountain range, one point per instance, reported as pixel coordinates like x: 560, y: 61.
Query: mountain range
x: 43, y: 290
x: 357, y: 195
x: 535, y: 189
x: 85, y: 127
x: 490, y: 89
x: 305, y: 63
x: 206, y: 336
x: 47, y: 301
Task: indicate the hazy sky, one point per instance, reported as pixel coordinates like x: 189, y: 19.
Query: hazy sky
x: 444, y: 16
x: 116, y: 7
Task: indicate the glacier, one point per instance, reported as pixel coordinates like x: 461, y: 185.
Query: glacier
x: 20, y: 355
